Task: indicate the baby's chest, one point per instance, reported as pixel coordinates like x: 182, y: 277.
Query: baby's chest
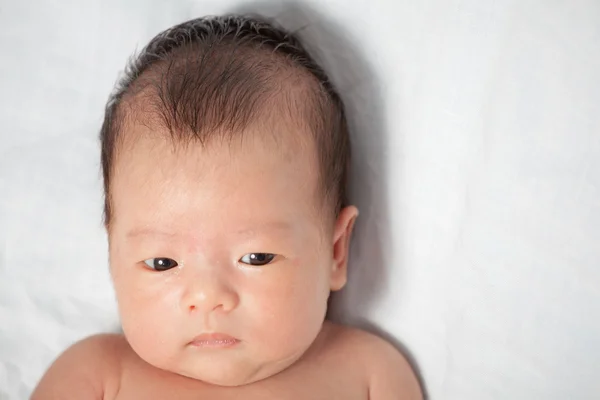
x: 292, y: 392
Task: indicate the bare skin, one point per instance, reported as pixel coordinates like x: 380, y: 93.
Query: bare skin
x: 342, y: 363
x: 205, y: 214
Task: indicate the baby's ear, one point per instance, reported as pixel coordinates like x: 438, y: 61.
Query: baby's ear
x: 341, y: 243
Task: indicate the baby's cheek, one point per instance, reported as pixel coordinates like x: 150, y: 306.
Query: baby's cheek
x: 147, y: 316
x: 292, y: 308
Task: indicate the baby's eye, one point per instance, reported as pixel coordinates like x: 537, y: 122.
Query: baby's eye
x: 257, y: 258
x: 160, y: 264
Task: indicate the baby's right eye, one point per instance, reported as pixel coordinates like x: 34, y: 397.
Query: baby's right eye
x: 160, y: 264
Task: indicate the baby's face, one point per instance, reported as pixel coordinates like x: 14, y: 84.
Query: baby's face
x: 206, y: 220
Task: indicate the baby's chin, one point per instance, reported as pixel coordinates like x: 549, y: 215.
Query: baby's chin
x: 230, y: 370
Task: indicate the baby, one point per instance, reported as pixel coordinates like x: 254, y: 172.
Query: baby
x: 225, y: 152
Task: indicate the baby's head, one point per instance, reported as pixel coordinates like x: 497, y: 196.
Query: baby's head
x: 225, y: 153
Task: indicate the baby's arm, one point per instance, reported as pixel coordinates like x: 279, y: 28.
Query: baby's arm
x: 90, y: 369
x: 387, y: 373
x: 391, y: 376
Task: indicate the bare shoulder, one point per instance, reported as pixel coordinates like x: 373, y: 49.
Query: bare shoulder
x: 89, y: 369
x: 389, y: 374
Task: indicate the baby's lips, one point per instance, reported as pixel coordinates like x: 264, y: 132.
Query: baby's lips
x: 214, y: 340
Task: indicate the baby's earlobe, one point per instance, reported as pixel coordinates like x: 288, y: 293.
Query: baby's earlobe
x: 338, y: 277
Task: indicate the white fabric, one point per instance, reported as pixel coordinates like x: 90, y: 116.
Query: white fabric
x: 476, y: 168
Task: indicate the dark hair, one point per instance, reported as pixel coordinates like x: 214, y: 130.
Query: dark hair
x: 213, y: 75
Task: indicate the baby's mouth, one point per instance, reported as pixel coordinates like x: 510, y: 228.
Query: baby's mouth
x: 214, y: 340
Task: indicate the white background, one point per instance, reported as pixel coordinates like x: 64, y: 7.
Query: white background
x: 476, y: 134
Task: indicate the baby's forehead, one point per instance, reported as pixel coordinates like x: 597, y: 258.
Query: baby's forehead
x: 251, y: 177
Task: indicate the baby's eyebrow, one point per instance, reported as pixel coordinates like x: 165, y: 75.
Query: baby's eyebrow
x: 281, y: 226
x: 145, y: 231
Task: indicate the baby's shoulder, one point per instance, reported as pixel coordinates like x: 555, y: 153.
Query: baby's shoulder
x: 107, y: 346
x: 91, y: 366
x: 388, y: 373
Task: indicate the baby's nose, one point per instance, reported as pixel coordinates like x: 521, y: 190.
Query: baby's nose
x: 209, y: 292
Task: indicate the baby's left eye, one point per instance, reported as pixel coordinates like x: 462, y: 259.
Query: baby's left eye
x: 257, y: 258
